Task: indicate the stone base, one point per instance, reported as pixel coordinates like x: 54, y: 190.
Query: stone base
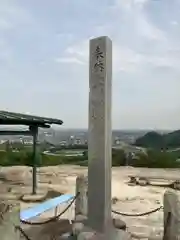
x: 114, y: 234
x: 81, y: 219
x: 40, y: 196
x: 81, y: 231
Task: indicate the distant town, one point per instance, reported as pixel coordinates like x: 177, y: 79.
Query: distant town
x: 122, y: 139
x: 72, y: 137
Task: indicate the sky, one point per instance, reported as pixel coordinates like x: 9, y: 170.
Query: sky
x: 44, y: 49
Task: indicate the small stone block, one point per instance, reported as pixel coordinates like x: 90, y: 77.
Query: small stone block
x: 177, y: 185
x: 86, y: 236
x: 80, y: 218
x: 9, y: 211
x: 77, y: 228
x: 143, y: 181
x: 114, y: 200
x: 133, y: 180
x: 171, y: 215
x: 119, y: 224
x: 121, y: 235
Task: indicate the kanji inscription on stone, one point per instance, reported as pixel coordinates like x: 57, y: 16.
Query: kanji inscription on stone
x: 99, y: 64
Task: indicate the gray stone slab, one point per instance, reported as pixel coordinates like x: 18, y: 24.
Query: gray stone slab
x: 172, y: 215
x: 9, y: 220
x: 100, y: 134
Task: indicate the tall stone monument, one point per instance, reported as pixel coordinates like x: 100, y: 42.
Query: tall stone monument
x: 99, y: 224
x: 99, y: 135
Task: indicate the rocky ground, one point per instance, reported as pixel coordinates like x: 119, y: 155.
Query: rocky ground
x: 16, y: 181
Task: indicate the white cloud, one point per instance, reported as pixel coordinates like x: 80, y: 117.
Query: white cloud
x: 130, y: 5
x: 70, y: 60
x: 80, y: 49
x: 174, y: 23
x: 76, y: 53
x: 147, y: 30
x: 125, y: 59
x: 4, y: 24
x: 39, y: 46
x: 12, y: 15
x: 12, y: 19
x: 131, y: 13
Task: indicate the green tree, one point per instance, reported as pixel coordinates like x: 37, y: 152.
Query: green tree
x: 118, y: 157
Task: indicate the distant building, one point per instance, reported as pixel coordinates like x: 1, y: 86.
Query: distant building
x: 63, y: 143
x: 77, y: 141
x: 3, y: 141
x: 117, y: 141
x: 71, y: 140
x: 28, y: 142
x: 13, y: 141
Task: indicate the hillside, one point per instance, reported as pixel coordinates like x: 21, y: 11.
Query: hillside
x: 156, y: 140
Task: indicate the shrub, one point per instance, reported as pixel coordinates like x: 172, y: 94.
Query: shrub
x: 118, y: 157
x: 156, y: 159
x: 153, y: 159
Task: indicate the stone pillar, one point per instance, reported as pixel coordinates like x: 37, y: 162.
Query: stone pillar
x: 9, y: 219
x: 171, y: 215
x: 100, y: 134
x: 99, y: 224
x: 81, y: 201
